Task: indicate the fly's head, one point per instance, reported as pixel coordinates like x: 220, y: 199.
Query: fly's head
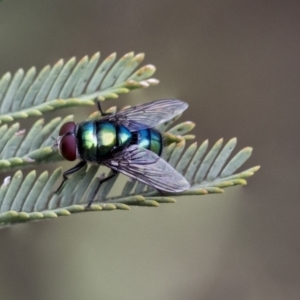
x: 66, y: 143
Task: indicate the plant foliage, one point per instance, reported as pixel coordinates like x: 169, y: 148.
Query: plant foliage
x: 76, y: 84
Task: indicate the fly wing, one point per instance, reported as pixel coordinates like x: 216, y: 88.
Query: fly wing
x: 145, y: 166
x: 148, y: 115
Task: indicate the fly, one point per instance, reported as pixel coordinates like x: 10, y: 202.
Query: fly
x: 125, y: 142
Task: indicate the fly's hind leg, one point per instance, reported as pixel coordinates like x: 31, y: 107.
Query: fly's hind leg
x: 101, y: 180
x: 76, y: 168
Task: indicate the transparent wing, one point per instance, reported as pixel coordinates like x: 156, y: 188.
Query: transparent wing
x: 145, y: 166
x: 148, y: 115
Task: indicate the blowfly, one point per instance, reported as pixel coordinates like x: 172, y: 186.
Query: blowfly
x: 125, y: 142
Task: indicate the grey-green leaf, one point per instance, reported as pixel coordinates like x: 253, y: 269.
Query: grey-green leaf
x: 71, y: 84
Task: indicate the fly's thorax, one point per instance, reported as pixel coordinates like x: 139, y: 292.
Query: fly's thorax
x: 150, y: 139
x: 99, y: 138
x: 124, y: 136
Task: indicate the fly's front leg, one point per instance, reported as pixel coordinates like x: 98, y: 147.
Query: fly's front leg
x: 76, y: 168
x: 98, y: 187
x: 100, y: 109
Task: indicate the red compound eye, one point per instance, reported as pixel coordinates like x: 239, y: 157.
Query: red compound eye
x: 67, y: 127
x: 67, y: 147
x: 67, y: 144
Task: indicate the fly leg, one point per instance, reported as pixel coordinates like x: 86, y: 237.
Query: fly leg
x: 98, y: 187
x: 161, y: 192
x: 100, y: 109
x: 76, y: 168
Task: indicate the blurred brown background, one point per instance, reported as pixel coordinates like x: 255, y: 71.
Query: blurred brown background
x: 237, y: 64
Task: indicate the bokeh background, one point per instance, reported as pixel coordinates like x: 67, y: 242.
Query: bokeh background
x: 237, y: 65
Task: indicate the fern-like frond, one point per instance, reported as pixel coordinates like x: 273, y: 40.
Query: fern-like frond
x: 19, y: 149
x: 74, y: 84
x: 31, y: 198
x: 71, y: 84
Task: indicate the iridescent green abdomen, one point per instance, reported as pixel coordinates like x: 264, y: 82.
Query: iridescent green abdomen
x: 150, y: 139
x: 99, y: 138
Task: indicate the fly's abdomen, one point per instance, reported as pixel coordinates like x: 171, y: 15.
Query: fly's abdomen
x: 150, y: 139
